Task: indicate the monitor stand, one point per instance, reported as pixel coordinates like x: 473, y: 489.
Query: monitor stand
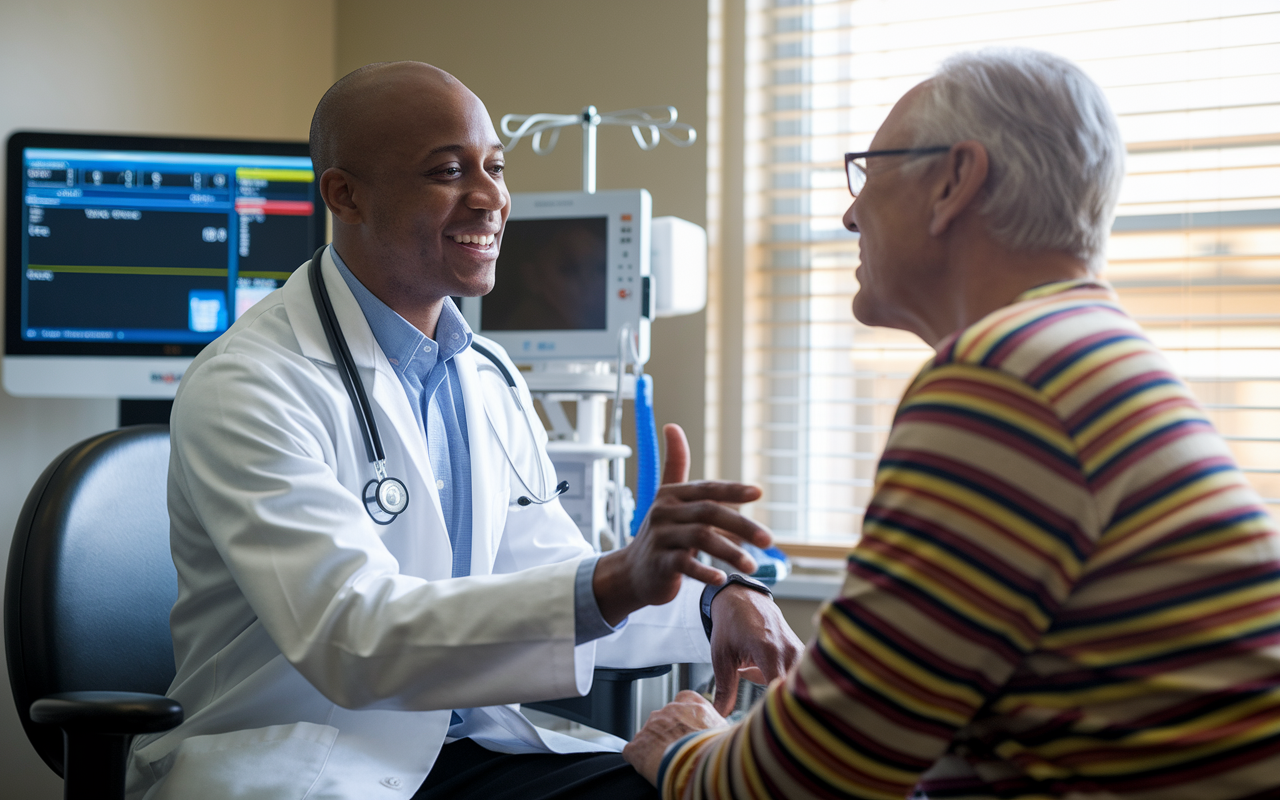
x: 144, y: 412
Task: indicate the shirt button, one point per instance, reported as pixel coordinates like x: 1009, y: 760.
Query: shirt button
x: 392, y: 782
x: 439, y: 484
x: 455, y: 336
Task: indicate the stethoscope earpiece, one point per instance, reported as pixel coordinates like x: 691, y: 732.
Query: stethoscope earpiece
x: 525, y: 500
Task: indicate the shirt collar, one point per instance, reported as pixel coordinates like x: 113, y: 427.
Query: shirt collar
x: 1044, y: 290
x: 452, y: 331
x: 1059, y: 287
x: 405, y: 346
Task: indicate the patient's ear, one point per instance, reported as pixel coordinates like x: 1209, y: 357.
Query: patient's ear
x: 965, y: 173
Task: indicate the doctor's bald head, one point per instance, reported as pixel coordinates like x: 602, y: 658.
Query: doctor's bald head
x: 363, y: 110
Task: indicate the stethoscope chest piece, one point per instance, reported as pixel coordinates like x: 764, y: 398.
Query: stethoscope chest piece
x: 385, y: 499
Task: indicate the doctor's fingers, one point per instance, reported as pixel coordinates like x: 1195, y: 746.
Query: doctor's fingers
x: 728, y: 677
x: 719, y: 491
x: 726, y: 696
x: 680, y: 539
x: 675, y: 467
x: 713, y: 514
x: 672, y: 563
x: 759, y: 664
x: 771, y: 659
x: 750, y: 639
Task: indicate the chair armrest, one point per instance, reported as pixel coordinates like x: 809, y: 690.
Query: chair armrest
x: 609, y: 706
x: 107, y: 713
x: 630, y: 675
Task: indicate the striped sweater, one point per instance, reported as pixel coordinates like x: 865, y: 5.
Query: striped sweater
x: 1064, y: 588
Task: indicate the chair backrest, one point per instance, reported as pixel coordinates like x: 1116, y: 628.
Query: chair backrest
x: 91, y: 580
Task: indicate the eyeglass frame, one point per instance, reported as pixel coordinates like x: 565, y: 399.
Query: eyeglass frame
x: 849, y: 158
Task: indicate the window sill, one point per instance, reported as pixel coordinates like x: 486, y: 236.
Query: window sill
x: 817, y: 571
x: 796, y: 550
x: 808, y: 586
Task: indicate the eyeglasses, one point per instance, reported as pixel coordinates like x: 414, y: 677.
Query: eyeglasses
x: 855, y: 167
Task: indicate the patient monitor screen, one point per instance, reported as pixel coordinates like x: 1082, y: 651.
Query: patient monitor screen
x: 128, y: 247
x: 551, y: 276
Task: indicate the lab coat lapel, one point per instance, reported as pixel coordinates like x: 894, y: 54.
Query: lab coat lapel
x: 388, y: 396
x: 383, y: 387
x: 483, y: 468
x: 304, y: 317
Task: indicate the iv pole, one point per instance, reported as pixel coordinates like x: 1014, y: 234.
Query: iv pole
x: 649, y: 126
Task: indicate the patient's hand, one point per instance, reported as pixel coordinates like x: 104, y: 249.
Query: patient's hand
x: 685, y: 517
x: 688, y: 713
x: 749, y: 638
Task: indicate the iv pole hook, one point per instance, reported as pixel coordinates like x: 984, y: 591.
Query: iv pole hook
x: 658, y: 122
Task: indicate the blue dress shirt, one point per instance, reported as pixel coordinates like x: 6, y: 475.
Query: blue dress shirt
x: 429, y: 375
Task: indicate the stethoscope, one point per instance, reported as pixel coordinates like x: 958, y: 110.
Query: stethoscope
x: 385, y: 497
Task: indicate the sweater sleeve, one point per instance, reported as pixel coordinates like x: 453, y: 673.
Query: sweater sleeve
x: 978, y: 527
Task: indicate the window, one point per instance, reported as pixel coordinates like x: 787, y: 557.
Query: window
x: 1194, y: 254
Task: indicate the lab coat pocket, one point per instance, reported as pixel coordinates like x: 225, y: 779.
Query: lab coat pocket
x: 280, y: 761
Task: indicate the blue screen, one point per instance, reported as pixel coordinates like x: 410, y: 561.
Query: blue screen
x: 121, y: 246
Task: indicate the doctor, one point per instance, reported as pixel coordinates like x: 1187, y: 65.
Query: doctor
x: 323, y: 655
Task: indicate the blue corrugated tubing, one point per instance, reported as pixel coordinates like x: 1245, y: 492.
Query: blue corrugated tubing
x: 647, y: 475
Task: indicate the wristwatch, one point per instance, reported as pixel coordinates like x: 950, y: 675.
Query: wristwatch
x: 710, y: 592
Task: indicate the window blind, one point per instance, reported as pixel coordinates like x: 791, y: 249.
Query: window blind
x: 1194, y: 253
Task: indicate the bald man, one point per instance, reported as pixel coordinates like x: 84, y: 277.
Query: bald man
x: 320, y: 654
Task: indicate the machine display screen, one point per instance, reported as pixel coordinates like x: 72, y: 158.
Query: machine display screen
x: 552, y: 275
x: 121, y: 250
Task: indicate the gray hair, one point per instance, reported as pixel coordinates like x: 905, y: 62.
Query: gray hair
x: 1053, y: 145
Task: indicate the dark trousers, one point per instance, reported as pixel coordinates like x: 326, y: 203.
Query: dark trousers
x: 466, y: 771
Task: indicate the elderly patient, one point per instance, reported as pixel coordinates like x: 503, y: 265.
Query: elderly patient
x: 1064, y: 585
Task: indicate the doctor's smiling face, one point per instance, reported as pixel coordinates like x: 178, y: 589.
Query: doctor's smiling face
x: 414, y: 180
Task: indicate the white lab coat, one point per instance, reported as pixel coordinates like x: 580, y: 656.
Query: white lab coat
x: 319, y: 654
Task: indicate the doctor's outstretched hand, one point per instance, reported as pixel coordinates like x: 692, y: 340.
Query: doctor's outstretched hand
x: 749, y: 637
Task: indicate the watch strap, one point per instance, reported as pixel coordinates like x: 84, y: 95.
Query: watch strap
x: 710, y: 591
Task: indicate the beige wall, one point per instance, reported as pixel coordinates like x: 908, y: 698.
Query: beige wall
x: 246, y: 68
x: 525, y: 57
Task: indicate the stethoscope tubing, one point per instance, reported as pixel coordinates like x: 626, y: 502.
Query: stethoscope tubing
x: 345, y: 363
x: 369, y: 426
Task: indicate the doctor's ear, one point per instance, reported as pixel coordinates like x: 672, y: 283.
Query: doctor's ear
x: 339, y: 193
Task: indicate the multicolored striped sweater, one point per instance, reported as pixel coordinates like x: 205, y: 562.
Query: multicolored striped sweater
x: 1064, y: 588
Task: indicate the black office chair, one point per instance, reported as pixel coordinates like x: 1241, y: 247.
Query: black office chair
x: 86, y: 614
x: 86, y: 608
